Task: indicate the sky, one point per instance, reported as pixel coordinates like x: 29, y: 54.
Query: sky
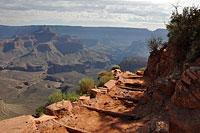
x: 151, y: 14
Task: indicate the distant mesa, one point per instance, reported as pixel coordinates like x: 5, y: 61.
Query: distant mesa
x: 65, y: 53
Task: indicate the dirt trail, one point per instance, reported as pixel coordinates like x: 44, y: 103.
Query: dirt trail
x: 126, y: 107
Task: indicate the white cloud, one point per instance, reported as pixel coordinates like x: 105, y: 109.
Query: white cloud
x: 125, y: 13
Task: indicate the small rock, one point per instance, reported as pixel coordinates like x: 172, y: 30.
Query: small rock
x: 140, y: 73
x: 84, y: 99
x: 95, y: 92
x: 110, y: 84
x: 54, y: 109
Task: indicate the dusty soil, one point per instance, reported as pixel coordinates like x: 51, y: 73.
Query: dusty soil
x: 127, y: 107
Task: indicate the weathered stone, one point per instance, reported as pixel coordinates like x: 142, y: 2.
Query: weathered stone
x: 157, y: 96
x: 183, y: 120
x: 191, y: 75
x: 194, y: 69
x: 84, y: 99
x: 144, y: 99
x: 186, y: 79
x: 54, y: 109
x: 117, y: 71
x: 44, y: 118
x: 183, y: 97
x: 104, y: 91
x: 95, y: 92
x: 21, y: 124
x: 140, y: 73
x: 164, y: 86
x: 121, y: 79
x: 110, y: 84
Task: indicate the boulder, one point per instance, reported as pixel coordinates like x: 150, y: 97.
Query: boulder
x: 95, y: 92
x: 140, y: 73
x: 55, y: 108
x: 84, y: 99
x: 110, y: 84
x: 21, y: 124
x: 104, y: 91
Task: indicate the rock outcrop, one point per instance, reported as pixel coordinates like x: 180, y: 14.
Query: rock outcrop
x: 54, y: 109
x: 177, y: 83
x: 185, y: 103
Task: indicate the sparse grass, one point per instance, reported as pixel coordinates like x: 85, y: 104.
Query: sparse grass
x: 104, y: 73
x: 142, y: 69
x: 56, y: 97
x: 72, y: 96
x: 86, y: 84
x: 103, y: 80
x: 39, y: 111
x: 103, y: 77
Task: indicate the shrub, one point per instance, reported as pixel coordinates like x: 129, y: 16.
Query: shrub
x: 56, y: 97
x: 86, y: 84
x: 103, y: 80
x: 142, y: 69
x: 39, y: 111
x: 184, y: 32
x: 115, y: 67
x: 194, y: 52
x: 72, y: 96
x: 154, y: 43
x: 104, y: 73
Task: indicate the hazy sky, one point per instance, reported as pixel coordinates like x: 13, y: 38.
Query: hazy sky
x: 149, y: 14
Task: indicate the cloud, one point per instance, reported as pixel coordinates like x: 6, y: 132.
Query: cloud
x: 126, y: 13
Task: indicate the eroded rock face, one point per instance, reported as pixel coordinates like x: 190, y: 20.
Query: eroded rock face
x: 55, y: 108
x: 164, y: 86
x: 182, y: 84
x: 185, y: 103
x: 159, y: 64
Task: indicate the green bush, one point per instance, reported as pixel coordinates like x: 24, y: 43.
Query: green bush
x: 39, y: 111
x: 104, y: 73
x: 142, y: 69
x: 72, y: 96
x: 103, y: 80
x: 56, y: 97
x: 184, y: 33
x: 194, y: 52
x: 86, y: 84
x: 154, y: 43
x: 115, y: 67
